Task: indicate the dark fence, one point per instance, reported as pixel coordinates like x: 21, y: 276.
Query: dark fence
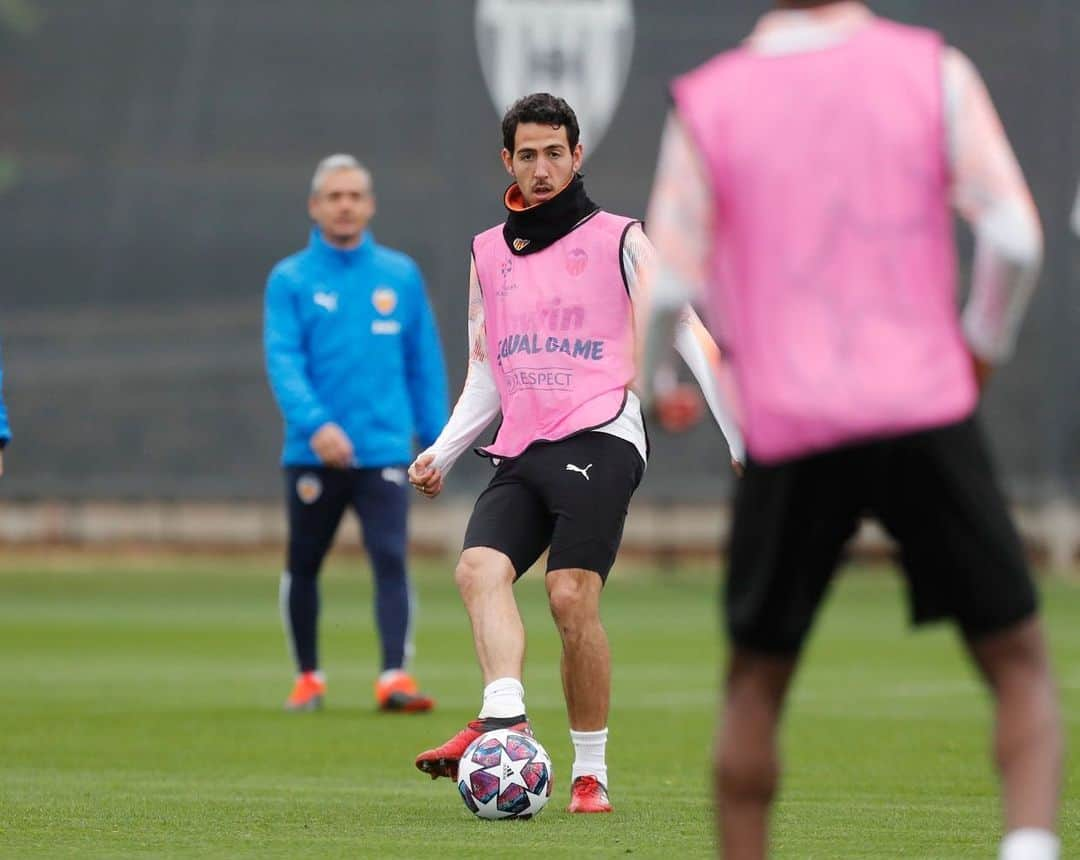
x: 154, y: 161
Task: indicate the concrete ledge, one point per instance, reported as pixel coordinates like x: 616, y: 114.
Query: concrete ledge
x: 1051, y: 532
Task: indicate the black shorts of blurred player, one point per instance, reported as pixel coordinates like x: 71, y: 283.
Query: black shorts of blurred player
x: 934, y: 492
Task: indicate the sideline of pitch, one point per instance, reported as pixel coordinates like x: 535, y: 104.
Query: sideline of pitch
x: 660, y: 532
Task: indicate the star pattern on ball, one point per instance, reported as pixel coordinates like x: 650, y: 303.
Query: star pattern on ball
x: 505, y: 774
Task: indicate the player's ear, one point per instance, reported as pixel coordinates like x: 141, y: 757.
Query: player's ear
x: 578, y: 157
x: 508, y: 161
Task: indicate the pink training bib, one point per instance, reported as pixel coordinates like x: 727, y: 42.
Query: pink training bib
x: 833, y: 278
x: 560, y: 333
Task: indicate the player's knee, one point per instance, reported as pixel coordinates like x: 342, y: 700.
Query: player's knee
x: 479, y: 569
x: 746, y: 775
x: 564, y: 599
x: 1014, y: 656
x: 572, y: 605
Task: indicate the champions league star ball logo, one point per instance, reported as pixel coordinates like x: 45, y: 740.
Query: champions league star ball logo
x: 579, y: 50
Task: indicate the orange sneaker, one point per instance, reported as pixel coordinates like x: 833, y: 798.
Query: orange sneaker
x: 399, y: 693
x: 443, y: 760
x: 307, y: 693
x: 588, y: 794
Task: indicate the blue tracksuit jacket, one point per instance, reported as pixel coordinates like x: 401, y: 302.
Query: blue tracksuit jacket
x: 5, y: 430
x: 350, y: 338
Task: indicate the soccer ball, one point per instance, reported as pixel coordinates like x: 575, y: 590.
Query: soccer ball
x: 505, y: 774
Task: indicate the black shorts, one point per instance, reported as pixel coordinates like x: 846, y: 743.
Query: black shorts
x: 934, y: 492
x: 571, y: 496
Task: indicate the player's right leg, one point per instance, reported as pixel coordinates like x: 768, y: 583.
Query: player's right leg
x: 316, y: 499
x: 485, y: 578
x: 507, y: 532
x: 746, y: 759
x: 790, y: 525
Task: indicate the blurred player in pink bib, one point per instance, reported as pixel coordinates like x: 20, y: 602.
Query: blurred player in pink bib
x: 804, y: 193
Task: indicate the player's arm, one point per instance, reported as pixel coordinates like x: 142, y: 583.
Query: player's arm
x: 477, y: 405
x: 5, y: 429
x: 425, y: 369
x: 701, y: 354
x: 287, y: 370
x: 990, y: 193
x: 672, y: 273
x: 1076, y: 214
x: 679, y: 218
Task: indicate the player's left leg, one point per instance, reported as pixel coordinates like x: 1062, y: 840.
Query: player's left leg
x: 1028, y: 743
x: 574, y: 598
x: 587, y: 481
x: 381, y: 501
x: 964, y: 559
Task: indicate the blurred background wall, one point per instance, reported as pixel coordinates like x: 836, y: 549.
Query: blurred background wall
x: 155, y: 157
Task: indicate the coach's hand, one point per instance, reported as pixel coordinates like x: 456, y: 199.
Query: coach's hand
x: 1, y: 461
x: 332, y: 446
x: 426, y: 478
x: 678, y: 408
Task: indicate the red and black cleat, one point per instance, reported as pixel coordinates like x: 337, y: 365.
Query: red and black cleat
x: 443, y: 760
x: 588, y: 794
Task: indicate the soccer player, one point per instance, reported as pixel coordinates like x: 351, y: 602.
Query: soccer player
x: 804, y: 189
x: 552, y: 294
x: 5, y: 429
x: 355, y: 363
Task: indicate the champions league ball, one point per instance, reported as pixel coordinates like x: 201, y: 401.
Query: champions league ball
x: 505, y: 774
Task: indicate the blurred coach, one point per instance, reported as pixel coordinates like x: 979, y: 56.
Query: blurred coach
x: 356, y: 367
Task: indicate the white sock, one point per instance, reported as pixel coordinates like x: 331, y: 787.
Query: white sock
x: 503, y: 697
x: 390, y: 675
x: 589, y: 754
x: 1030, y: 843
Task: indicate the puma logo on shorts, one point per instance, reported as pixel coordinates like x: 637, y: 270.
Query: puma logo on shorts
x: 570, y: 467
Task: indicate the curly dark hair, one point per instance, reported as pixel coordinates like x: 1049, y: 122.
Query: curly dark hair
x: 543, y: 108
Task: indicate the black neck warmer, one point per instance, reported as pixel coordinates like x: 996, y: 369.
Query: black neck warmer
x: 527, y: 231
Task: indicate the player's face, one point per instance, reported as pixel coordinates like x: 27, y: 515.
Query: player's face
x: 343, y: 205
x: 542, y: 162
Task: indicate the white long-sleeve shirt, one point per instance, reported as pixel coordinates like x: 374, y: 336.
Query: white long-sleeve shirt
x: 988, y: 190
x: 479, y: 400
x: 1076, y: 214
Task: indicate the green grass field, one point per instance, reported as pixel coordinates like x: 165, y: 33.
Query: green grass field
x: 141, y: 717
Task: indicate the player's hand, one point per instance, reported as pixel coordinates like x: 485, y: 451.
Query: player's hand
x: 679, y: 408
x: 332, y: 446
x: 427, y: 480
x: 983, y: 370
